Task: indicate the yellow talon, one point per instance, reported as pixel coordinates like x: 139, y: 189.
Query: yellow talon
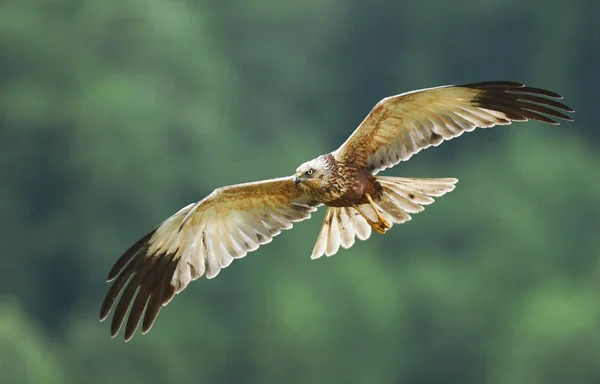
x: 381, y: 225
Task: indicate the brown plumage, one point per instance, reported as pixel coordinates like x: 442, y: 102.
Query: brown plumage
x: 204, y: 237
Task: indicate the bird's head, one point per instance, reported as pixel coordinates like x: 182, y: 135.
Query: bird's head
x: 312, y: 173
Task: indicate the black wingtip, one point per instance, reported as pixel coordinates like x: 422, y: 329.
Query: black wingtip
x: 140, y: 245
x: 520, y: 102
x: 493, y: 84
x: 144, y: 285
x: 103, y: 315
x: 128, y: 336
x: 513, y: 86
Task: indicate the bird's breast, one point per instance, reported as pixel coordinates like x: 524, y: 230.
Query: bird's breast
x: 348, y: 189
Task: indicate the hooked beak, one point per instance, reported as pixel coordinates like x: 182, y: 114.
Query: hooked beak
x: 297, y: 178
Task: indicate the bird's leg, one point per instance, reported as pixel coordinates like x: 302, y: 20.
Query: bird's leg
x: 381, y: 225
x: 380, y: 219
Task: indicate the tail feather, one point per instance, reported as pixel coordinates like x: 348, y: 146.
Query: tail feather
x: 347, y: 228
x: 400, y: 198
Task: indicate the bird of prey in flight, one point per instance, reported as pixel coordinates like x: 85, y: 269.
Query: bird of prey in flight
x: 205, y: 237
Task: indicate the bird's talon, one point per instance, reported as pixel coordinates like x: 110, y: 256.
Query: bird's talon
x: 380, y: 227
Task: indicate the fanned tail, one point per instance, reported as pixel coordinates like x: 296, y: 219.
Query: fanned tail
x: 401, y: 197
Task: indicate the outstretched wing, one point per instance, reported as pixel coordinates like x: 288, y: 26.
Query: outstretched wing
x: 400, y: 126
x: 200, y: 239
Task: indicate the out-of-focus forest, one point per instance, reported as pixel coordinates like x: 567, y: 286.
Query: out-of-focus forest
x: 114, y: 114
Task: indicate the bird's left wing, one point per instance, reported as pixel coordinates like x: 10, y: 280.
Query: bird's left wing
x: 402, y: 125
x: 200, y: 239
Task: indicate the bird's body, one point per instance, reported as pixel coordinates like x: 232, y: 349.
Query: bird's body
x: 205, y: 237
x: 343, y: 185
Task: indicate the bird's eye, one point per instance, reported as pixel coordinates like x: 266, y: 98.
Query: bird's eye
x: 310, y: 172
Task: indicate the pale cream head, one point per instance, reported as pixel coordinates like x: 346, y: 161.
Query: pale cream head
x: 315, y: 169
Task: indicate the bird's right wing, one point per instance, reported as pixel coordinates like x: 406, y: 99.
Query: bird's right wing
x: 200, y: 239
x: 402, y: 125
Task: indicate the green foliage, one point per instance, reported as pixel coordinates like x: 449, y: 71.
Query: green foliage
x: 25, y: 357
x: 115, y: 114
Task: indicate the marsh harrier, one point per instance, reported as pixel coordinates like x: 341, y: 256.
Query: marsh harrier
x: 205, y: 237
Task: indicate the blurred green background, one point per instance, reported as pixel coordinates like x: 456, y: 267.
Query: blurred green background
x: 114, y: 114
